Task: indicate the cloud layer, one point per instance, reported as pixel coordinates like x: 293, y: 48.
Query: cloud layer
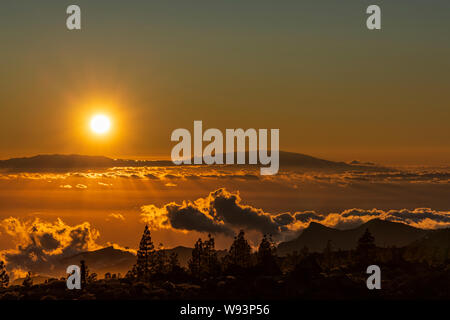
x: 223, y: 212
x: 41, y: 245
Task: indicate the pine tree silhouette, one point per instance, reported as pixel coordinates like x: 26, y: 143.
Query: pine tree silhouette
x: 4, y: 278
x: 145, y: 256
x: 195, y: 262
x: 266, y: 249
x: 266, y: 255
x: 240, y: 253
x: 365, y: 249
x: 367, y: 241
x: 204, y: 258
x: 212, y: 262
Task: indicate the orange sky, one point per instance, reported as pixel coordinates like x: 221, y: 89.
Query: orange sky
x: 333, y: 88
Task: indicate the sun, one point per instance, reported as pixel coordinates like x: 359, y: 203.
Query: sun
x: 100, y: 124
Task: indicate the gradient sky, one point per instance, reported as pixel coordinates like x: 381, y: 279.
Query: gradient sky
x: 311, y: 68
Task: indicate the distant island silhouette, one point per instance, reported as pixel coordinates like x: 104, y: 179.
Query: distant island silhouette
x: 62, y: 162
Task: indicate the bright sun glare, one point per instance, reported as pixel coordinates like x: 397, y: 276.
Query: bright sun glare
x: 100, y: 124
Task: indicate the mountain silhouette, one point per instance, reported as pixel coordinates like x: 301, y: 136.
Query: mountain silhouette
x: 104, y: 260
x: 386, y: 233
x: 303, y: 161
x: 435, y: 245
x: 114, y: 260
x: 59, y: 162
x: 62, y: 163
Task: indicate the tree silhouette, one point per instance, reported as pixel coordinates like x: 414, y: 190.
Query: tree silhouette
x: 267, y: 256
x: 212, y: 262
x: 160, y: 263
x: 204, y: 258
x: 132, y: 273
x: 195, y: 262
x: 174, y: 264
x: 86, y: 276
x: 240, y: 253
x: 173, y: 261
x: 84, y: 271
x: 365, y: 249
x: 367, y: 241
x: 266, y: 249
x: 27, y: 282
x: 145, y: 256
x: 4, y: 278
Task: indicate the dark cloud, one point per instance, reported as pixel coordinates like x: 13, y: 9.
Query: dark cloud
x: 191, y: 218
x: 225, y: 206
x: 220, y: 212
x: 307, y: 216
x: 284, y: 219
x: 361, y: 213
x: 417, y: 215
x: 223, y: 212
